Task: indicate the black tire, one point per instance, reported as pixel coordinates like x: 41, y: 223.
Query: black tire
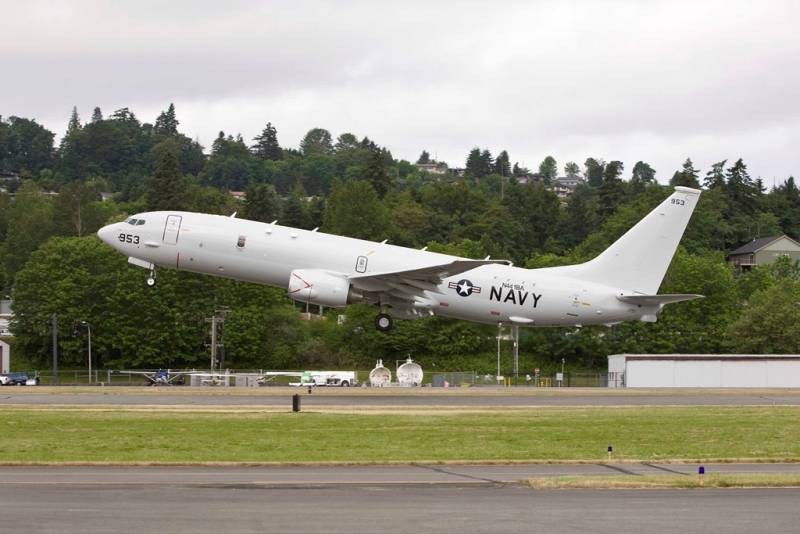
x: 345, y: 384
x: 384, y: 322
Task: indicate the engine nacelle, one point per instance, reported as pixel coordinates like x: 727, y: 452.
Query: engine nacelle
x: 318, y: 287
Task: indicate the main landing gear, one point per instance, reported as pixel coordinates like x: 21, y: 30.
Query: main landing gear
x: 383, y: 322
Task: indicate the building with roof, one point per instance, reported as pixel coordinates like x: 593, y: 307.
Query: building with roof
x: 704, y: 370
x: 6, y: 315
x: 5, y: 357
x: 764, y: 251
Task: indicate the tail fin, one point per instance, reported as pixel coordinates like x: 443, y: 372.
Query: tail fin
x: 638, y: 260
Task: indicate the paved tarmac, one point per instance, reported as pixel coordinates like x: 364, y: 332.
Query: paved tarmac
x: 458, y: 399
x: 247, y: 500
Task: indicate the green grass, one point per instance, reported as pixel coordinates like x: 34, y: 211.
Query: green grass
x: 717, y: 480
x: 557, y: 434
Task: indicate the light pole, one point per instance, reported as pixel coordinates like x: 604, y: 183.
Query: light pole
x: 89, y: 331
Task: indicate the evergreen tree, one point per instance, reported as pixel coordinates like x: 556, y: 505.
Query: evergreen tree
x: 487, y: 163
x: 716, y: 176
x: 594, y: 171
x: 742, y: 191
x: 354, y: 210
x: 376, y: 174
x: 518, y: 170
x: 502, y: 165
x: 424, y: 158
x: 294, y: 211
x: 167, y: 122
x: 688, y: 176
x: 97, y: 115
x: 267, y: 146
x: 261, y: 203
x: 168, y: 189
x: 572, y: 170
x: 473, y: 166
x: 548, y: 169
x: 612, y: 191
x: 73, y: 130
x: 643, y: 173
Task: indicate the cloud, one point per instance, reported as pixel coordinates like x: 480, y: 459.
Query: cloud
x: 619, y: 80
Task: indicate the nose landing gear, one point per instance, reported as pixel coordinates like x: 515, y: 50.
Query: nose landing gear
x: 151, y: 279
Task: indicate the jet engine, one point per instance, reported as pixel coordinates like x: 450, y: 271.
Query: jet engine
x: 318, y: 287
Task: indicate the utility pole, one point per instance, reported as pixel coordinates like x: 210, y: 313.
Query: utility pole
x: 54, y: 331
x: 89, y: 331
x: 515, y: 332
x: 217, y: 319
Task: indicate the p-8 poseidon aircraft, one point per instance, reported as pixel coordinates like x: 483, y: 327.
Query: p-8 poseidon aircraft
x: 328, y: 270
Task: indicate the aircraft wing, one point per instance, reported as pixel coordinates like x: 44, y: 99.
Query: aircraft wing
x: 655, y: 300
x: 410, y: 285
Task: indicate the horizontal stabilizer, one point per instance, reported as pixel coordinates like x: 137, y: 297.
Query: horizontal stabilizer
x: 655, y: 300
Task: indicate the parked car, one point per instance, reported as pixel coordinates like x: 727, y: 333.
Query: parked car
x: 19, y: 379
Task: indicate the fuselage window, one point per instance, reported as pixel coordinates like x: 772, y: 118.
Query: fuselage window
x: 240, y: 243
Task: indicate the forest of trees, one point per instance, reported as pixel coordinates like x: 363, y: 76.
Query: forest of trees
x: 50, y: 260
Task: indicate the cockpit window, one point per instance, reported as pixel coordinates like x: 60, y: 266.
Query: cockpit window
x: 131, y: 221
x: 140, y: 222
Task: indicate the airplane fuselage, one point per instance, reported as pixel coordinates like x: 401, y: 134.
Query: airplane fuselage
x: 270, y: 254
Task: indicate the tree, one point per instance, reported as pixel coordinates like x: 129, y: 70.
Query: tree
x: 643, y: 173
x: 376, y: 174
x: 261, y: 203
x: 316, y: 141
x: 518, y: 170
x: 742, y: 191
x: 594, y: 171
x: 424, y: 158
x: 548, y: 168
x: 487, y: 163
x: 73, y: 131
x: 30, y: 223
x: 502, y: 165
x: 167, y: 122
x: 97, y: 115
x: 572, y: 170
x: 74, y: 212
x: 688, y: 176
x: 473, y: 165
x: 346, y: 142
x: 295, y: 209
x: 716, y: 176
x: 770, y: 321
x: 612, y: 191
x: 267, y: 146
x: 168, y: 189
x: 28, y: 146
x: 355, y: 210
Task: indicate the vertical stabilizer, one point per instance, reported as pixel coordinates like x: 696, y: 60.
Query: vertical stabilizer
x: 638, y: 260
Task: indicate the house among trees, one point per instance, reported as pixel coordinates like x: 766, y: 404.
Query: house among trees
x: 563, y: 187
x: 6, y: 314
x: 432, y: 168
x: 764, y: 251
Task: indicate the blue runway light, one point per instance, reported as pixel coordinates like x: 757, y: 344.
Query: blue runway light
x: 701, y: 470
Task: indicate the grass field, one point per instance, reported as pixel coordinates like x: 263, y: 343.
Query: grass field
x: 550, y: 434
x: 717, y: 480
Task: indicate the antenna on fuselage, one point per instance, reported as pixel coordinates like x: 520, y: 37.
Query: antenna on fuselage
x: 233, y: 215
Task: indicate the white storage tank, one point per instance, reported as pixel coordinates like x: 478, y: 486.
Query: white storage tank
x: 409, y: 374
x: 380, y: 376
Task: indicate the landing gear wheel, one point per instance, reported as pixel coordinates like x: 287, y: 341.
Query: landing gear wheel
x: 151, y: 281
x: 384, y: 322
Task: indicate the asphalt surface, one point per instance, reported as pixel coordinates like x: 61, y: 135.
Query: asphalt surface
x: 320, y: 399
x: 242, y: 500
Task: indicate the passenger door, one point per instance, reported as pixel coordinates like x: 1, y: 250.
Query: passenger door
x: 171, y: 229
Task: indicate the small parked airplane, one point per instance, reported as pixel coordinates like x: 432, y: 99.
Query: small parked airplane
x: 618, y: 285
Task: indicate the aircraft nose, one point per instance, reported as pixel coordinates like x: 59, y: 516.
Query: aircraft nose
x: 106, y: 233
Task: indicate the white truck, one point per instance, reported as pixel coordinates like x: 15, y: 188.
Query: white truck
x: 327, y: 378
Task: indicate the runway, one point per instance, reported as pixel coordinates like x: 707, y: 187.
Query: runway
x: 382, y: 499
x: 473, y: 398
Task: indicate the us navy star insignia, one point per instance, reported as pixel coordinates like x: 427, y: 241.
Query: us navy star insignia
x: 464, y: 287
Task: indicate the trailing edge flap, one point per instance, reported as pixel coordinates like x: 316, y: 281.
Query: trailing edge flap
x: 655, y: 300
x: 414, y: 282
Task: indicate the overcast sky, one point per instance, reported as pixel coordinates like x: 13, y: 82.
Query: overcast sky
x: 645, y: 80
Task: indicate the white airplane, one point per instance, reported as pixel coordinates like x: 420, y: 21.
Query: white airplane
x: 618, y: 285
